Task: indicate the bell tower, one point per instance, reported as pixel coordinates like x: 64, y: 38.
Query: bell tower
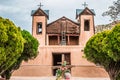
x: 86, y: 19
x: 39, y: 22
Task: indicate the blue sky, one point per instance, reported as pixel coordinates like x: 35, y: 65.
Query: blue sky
x: 19, y: 11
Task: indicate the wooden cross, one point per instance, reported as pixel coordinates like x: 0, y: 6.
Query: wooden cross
x: 85, y: 4
x: 62, y: 62
x: 40, y: 5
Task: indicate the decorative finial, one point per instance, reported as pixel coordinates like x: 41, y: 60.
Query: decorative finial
x: 85, y: 4
x: 40, y: 5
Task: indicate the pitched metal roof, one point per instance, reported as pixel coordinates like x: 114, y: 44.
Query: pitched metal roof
x: 32, y: 12
x: 79, y: 11
x: 45, y: 11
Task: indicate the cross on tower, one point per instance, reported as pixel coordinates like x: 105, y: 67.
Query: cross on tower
x: 85, y: 4
x: 40, y: 5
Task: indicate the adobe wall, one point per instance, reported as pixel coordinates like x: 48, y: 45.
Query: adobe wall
x: 45, y: 55
x: 42, y: 65
x: 33, y: 71
x: 42, y: 36
x: 78, y: 71
x: 89, y: 71
x: 85, y: 35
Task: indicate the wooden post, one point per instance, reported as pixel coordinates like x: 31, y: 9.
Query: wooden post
x: 68, y: 40
x: 63, y: 58
x: 58, y: 39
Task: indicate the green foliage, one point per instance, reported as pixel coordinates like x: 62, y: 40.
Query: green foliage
x: 30, y: 47
x: 112, y: 47
x: 11, y: 44
x: 58, y: 72
x: 114, y: 11
x: 104, y: 49
x: 118, y: 77
x: 15, y: 46
x: 30, y: 51
x: 93, y: 50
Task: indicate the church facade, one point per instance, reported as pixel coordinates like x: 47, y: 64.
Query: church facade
x: 61, y: 40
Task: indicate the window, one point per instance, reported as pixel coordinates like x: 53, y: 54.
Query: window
x: 39, y: 27
x: 86, y: 25
x: 74, y: 40
x: 53, y: 40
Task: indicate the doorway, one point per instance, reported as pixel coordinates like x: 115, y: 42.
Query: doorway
x: 58, y: 59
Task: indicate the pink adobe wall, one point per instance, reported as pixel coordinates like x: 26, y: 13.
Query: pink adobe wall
x: 45, y: 55
x: 85, y: 35
x: 42, y: 65
x: 89, y: 72
x: 40, y: 37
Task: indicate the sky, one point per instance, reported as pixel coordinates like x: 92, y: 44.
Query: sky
x: 19, y: 11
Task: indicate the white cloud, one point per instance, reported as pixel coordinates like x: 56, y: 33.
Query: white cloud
x: 19, y: 10
x: 9, y: 9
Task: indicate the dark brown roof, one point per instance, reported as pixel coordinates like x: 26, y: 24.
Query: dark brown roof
x: 81, y: 11
x: 63, y: 25
x: 62, y: 18
x: 40, y: 12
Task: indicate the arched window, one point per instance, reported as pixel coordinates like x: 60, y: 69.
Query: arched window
x: 39, y: 28
x: 86, y: 25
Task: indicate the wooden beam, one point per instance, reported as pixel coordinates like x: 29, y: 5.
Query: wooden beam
x: 68, y: 66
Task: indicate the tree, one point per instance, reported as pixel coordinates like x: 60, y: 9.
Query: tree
x: 104, y: 49
x: 30, y: 46
x: 114, y: 11
x: 30, y: 52
x: 11, y: 44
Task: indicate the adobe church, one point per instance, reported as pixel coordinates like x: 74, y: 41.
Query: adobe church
x: 61, y: 40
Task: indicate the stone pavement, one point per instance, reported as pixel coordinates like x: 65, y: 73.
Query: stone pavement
x: 53, y: 78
